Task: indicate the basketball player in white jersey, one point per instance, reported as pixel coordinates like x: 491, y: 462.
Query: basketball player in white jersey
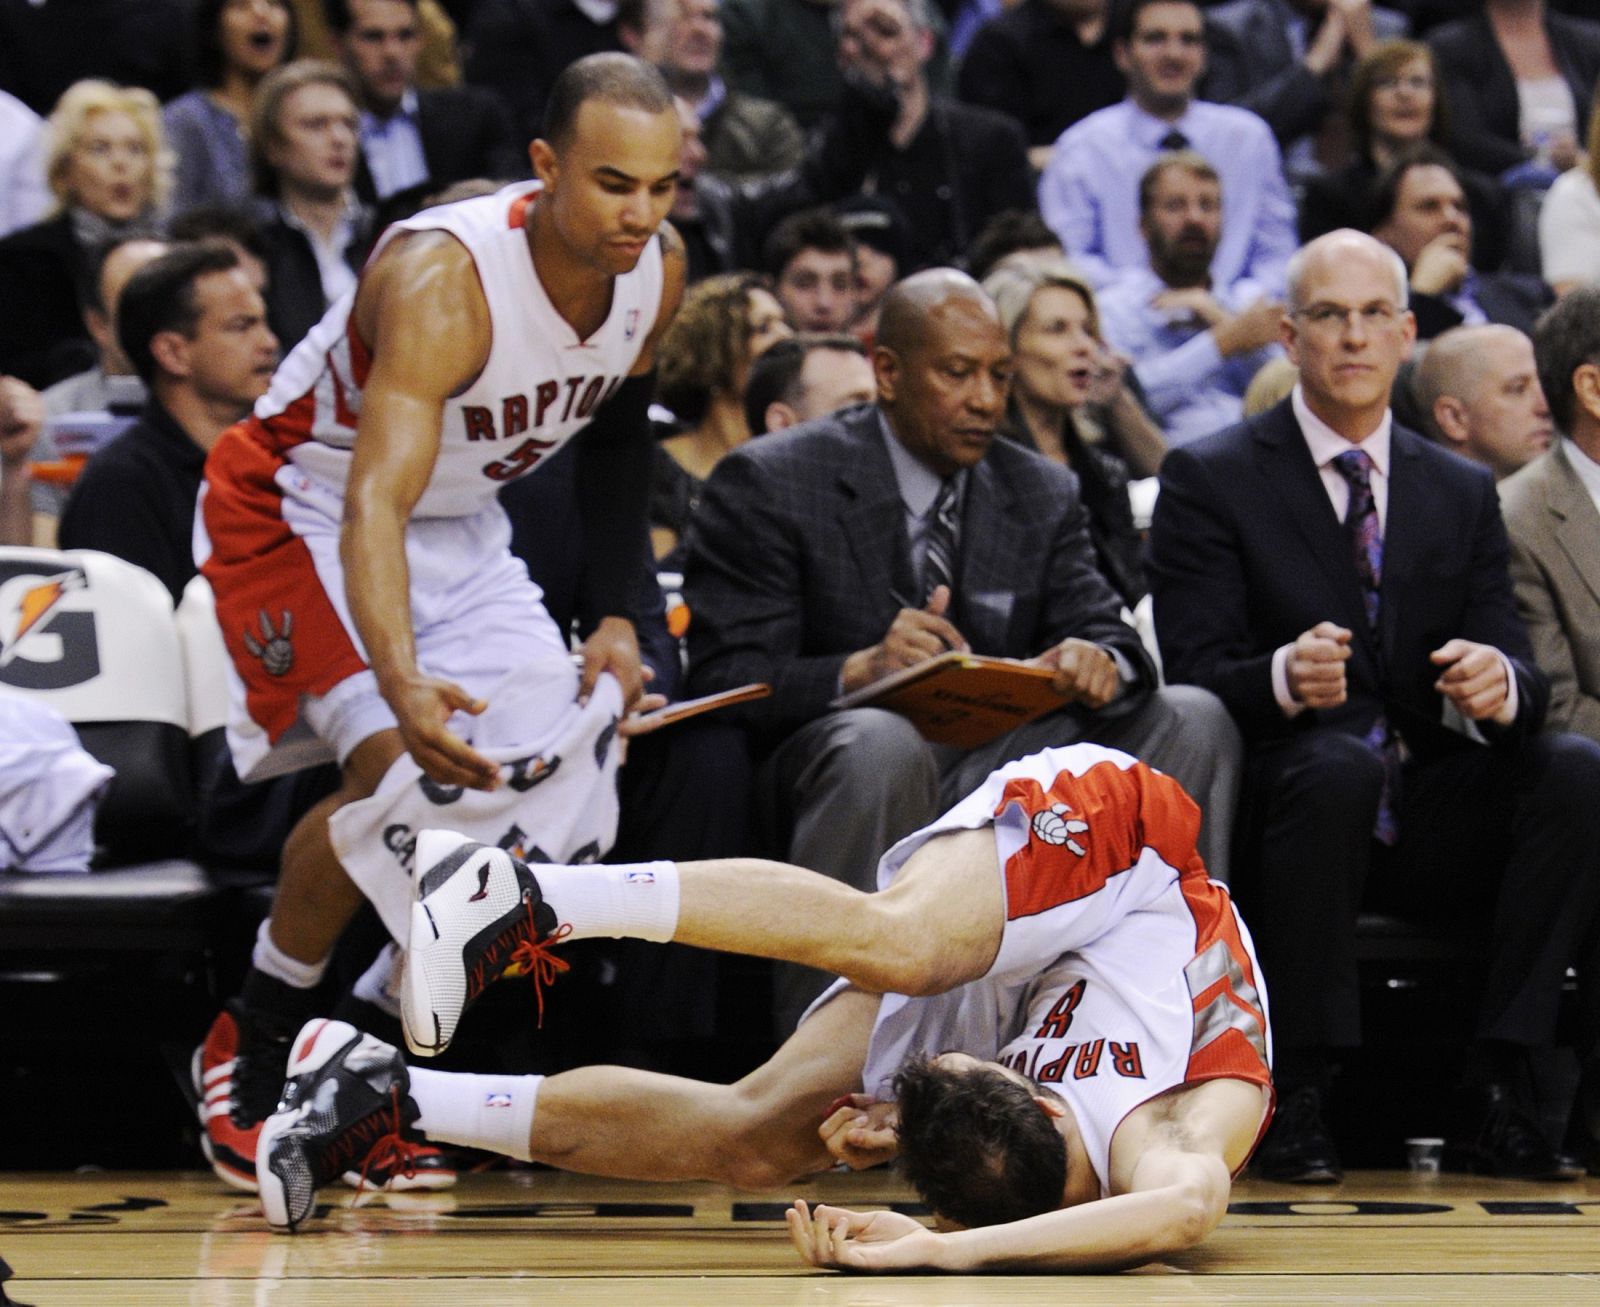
x: 359, y: 560
x: 1085, y: 1069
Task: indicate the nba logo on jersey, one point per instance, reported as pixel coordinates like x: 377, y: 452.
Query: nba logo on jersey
x: 639, y: 878
x: 630, y: 324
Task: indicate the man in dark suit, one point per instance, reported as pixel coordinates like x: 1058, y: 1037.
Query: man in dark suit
x: 1419, y: 209
x: 1341, y: 583
x: 415, y: 141
x: 826, y: 557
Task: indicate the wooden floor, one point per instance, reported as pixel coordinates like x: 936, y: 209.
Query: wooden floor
x: 180, y: 1240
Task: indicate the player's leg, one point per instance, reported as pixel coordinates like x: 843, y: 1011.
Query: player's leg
x: 351, y: 1098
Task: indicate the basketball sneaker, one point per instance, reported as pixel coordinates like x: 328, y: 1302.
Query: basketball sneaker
x: 345, y: 1109
x: 238, y: 1075
x: 478, y: 917
x: 429, y: 1169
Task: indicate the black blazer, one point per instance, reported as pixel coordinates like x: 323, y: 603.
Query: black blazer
x: 295, y: 302
x: 1484, y: 114
x: 798, y: 551
x: 1513, y: 299
x: 42, y: 336
x: 1246, y: 554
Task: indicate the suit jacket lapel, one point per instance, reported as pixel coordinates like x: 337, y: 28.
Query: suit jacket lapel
x: 873, y: 518
x: 992, y: 540
x: 1577, y: 523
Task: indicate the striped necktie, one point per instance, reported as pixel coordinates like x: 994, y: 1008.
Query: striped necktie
x: 939, y: 563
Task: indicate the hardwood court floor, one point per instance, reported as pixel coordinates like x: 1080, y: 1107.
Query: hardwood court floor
x: 181, y: 1240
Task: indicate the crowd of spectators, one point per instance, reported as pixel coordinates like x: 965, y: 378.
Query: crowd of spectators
x: 1155, y: 196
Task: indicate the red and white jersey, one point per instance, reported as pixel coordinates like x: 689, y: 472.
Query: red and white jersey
x: 540, y: 386
x: 1123, y: 970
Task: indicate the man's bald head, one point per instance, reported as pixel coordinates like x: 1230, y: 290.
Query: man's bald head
x: 1479, y: 389
x: 910, y: 305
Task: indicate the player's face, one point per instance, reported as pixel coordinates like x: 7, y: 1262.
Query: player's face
x: 947, y: 394
x: 382, y: 48
x: 233, y: 352
x: 1056, y: 350
x: 612, y: 183
x: 110, y: 168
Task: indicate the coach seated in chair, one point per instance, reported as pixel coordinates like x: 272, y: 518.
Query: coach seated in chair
x: 831, y: 555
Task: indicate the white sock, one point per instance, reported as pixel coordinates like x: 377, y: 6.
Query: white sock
x: 492, y: 1112
x: 636, y: 900
x: 379, y: 984
x: 268, y: 958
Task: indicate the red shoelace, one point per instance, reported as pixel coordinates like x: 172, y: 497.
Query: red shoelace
x: 528, y: 955
x: 386, y: 1146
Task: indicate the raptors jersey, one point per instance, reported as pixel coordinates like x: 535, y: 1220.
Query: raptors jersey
x: 1123, y: 969
x: 541, y: 383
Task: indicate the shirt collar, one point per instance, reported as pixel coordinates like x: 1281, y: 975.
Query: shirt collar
x: 716, y: 93
x: 162, y: 424
x: 1326, y: 444
x: 406, y: 109
x: 1587, y: 469
x: 918, y: 484
x: 350, y: 218
x: 1148, y: 130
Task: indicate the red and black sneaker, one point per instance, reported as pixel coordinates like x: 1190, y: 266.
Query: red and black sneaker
x: 238, y: 1075
x: 345, y: 1108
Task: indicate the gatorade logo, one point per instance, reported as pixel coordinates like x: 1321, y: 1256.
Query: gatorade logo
x: 47, y: 641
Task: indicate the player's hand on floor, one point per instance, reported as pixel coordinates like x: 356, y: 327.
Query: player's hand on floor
x: 861, y: 1241
x: 862, y: 1132
x: 422, y: 705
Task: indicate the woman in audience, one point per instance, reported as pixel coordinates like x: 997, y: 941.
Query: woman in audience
x: 108, y: 169
x: 1057, y: 355
x: 1396, y: 102
x: 235, y: 44
x: 724, y: 324
x: 1569, y: 223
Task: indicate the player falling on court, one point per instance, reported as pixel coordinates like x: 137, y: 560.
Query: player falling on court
x: 1049, y: 1012
x: 364, y: 586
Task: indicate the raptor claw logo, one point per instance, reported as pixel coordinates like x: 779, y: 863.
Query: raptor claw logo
x: 1055, y: 827
x: 274, y: 649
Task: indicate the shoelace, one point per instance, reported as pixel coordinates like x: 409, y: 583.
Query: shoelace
x: 529, y: 956
x: 389, y: 1149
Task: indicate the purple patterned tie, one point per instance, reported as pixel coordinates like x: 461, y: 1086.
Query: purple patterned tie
x: 1366, y: 543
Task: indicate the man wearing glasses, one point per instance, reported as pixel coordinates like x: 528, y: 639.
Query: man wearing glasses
x: 1342, y: 585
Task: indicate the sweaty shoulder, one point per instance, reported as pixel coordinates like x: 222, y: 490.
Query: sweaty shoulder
x: 421, y: 298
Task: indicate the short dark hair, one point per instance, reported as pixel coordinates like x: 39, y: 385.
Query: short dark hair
x: 975, y: 1145
x: 339, y: 17
x: 1007, y: 232
x: 810, y: 229
x: 610, y: 76
x: 1565, y: 338
x: 222, y: 222
x: 207, y: 62
x: 1385, y: 192
x: 775, y: 376
x: 1125, y: 16
x: 160, y: 297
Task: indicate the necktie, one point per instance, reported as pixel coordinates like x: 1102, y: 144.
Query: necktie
x: 1174, y: 140
x: 1366, y: 543
x: 939, y: 563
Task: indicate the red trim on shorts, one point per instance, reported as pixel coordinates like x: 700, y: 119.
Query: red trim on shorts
x: 260, y: 570
x: 1128, y: 809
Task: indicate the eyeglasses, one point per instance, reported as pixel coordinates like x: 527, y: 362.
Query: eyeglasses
x: 1418, y: 82
x: 1336, y: 317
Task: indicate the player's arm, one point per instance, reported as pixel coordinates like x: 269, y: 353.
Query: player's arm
x: 424, y: 317
x: 613, y: 490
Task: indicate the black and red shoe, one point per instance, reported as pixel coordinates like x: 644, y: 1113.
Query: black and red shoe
x: 238, y: 1075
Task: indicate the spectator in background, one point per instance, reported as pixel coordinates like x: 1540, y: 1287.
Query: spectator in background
x: 1396, y: 103
x: 1520, y: 79
x: 438, y: 65
x: 1015, y: 231
x: 1195, y: 342
x: 109, y: 171
x: 1569, y: 221
x: 304, y: 142
x: 233, y: 227
x: 724, y: 324
x: 1089, y: 193
x: 415, y: 141
x: 1478, y: 391
x: 1419, y: 210
x: 812, y: 262
x: 21, y: 420
x: 883, y: 254
x: 950, y: 166
x: 234, y: 43
x: 1552, y: 512
x: 1046, y: 63
x: 1049, y: 312
x: 196, y: 332
x: 744, y: 135
x: 24, y: 198
x: 519, y: 47
x: 805, y: 377
x: 1288, y: 60
x: 782, y: 50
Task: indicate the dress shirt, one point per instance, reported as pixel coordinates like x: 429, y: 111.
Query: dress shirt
x: 919, y: 487
x: 1189, y: 387
x: 1325, y: 445
x: 393, y: 148
x: 1587, y: 469
x: 1089, y: 191
x: 1464, y: 300
x: 716, y: 93
x: 336, y: 275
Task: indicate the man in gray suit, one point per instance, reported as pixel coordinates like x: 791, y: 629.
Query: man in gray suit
x: 1552, y: 516
x: 846, y: 549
